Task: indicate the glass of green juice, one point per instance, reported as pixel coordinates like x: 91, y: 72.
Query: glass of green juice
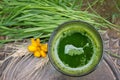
x: 75, y: 48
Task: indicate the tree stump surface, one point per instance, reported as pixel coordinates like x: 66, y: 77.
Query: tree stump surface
x: 108, y: 69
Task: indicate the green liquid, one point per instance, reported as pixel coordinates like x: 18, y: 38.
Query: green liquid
x: 77, y: 40
x: 75, y: 48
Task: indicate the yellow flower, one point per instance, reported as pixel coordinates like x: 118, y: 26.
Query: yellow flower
x: 37, y: 54
x: 33, y: 42
x: 32, y: 48
x: 38, y: 42
x: 43, y: 54
x: 38, y: 49
x: 44, y: 47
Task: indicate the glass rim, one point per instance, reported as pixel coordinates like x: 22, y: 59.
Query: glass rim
x: 51, y: 38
